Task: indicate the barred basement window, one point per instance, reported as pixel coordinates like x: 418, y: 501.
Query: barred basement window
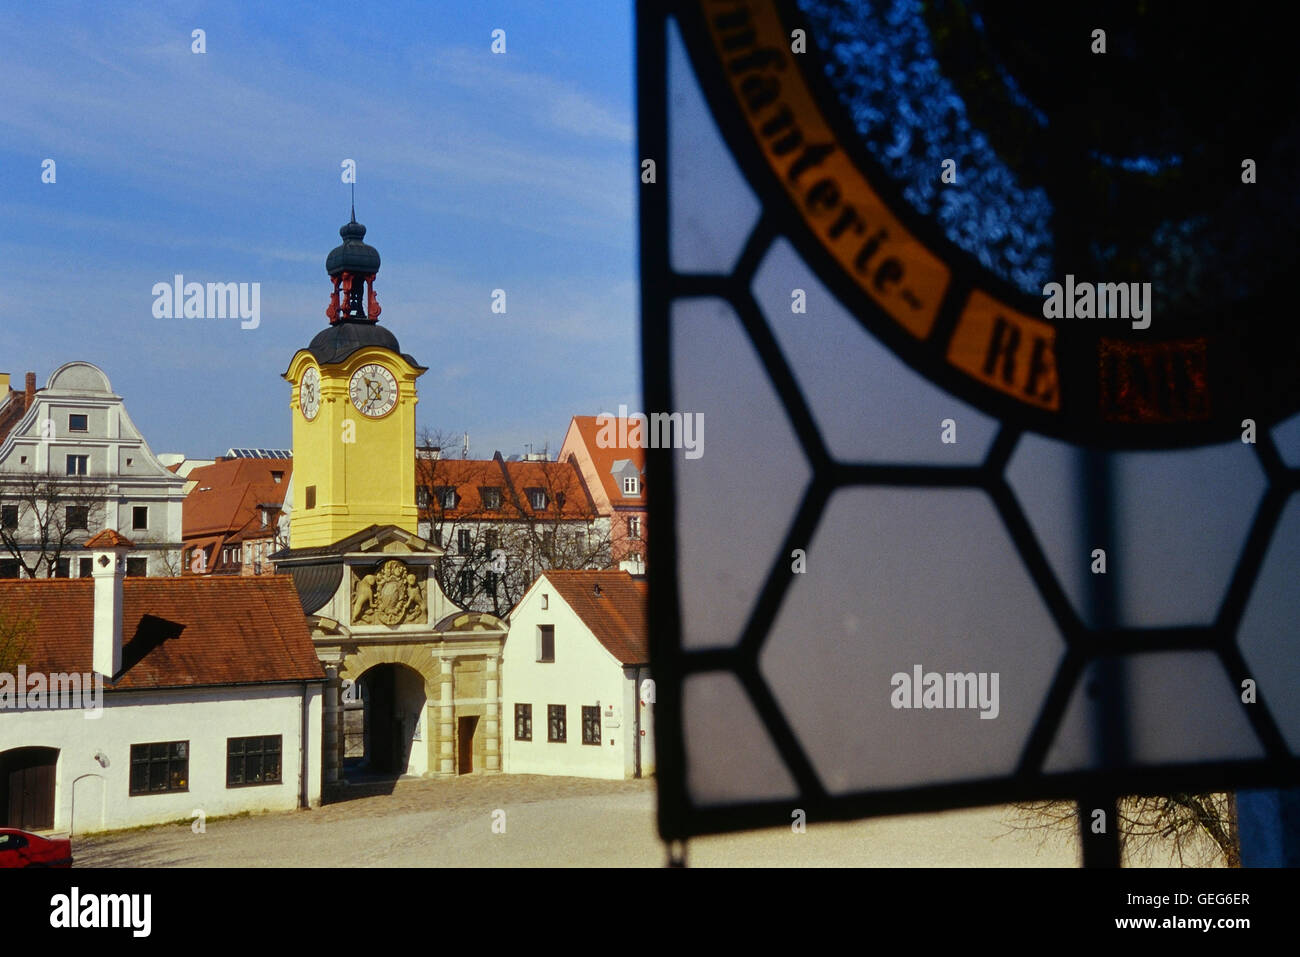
x: 590, y: 724
x: 159, y: 767
x: 251, y: 761
x: 523, y: 722
x: 556, y: 732
x: 137, y: 567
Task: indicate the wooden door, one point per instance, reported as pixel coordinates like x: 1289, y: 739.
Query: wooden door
x: 466, y: 727
x: 30, y: 788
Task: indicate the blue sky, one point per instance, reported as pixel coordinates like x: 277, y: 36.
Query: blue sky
x: 475, y: 171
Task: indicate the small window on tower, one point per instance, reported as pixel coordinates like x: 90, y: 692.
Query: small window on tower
x: 78, y: 422
x: 311, y: 496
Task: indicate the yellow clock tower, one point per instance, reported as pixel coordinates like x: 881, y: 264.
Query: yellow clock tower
x: 353, y: 411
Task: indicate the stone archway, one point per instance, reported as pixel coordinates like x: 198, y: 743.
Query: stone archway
x: 389, y: 694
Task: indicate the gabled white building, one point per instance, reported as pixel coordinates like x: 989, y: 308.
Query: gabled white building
x: 144, y: 700
x: 77, y: 429
x: 576, y: 690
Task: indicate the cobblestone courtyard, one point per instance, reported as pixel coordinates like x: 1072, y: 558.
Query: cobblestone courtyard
x: 554, y: 821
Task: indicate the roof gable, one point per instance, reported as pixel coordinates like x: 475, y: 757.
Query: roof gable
x: 176, y: 632
x: 612, y: 604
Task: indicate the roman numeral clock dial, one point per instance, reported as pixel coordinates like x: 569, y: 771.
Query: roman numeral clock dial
x: 309, y: 394
x: 373, y: 391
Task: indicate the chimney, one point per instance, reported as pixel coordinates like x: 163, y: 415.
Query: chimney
x: 108, y: 564
x: 30, y: 396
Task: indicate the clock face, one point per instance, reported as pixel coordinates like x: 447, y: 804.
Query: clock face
x: 373, y: 390
x: 309, y: 393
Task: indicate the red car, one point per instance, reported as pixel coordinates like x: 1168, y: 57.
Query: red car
x: 21, y: 849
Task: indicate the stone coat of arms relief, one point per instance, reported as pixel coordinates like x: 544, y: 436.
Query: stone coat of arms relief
x: 391, y: 595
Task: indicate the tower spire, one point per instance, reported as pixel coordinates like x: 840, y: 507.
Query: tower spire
x: 352, y: 266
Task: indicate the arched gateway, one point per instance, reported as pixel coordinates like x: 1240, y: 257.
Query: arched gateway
x: 425, y: 689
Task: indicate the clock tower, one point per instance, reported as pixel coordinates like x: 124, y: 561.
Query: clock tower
x: 353, y: 411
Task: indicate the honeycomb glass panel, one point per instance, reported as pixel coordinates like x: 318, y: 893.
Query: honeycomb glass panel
x: 1287, y: 437
x: 1167, y: 707
x: 1269, y: 636
x: 729, y: 755
x: 869, y: 406
x: 711, y: 209
x: 737, y: 495
x: 914, y: 649
x: 1179, y: 520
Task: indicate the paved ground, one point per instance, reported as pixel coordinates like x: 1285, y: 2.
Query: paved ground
x: 554, y: 821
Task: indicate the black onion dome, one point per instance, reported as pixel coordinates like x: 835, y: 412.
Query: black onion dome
x: 353, y: 256
x: 335, y: 343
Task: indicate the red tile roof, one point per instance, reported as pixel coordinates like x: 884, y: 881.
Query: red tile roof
x: 603, y: 459
x: 108, y: 539
x: 471, y: 476
x: 616, y: 615
x: 226, y: 495
x: 176, y: 632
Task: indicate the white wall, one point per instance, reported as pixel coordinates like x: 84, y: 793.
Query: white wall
x: 583, y: 673
x: 203, y: 717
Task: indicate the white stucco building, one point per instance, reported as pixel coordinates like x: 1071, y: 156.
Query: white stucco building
x: 77, y: 430
x: 576, y: 691
x: 213, y: 705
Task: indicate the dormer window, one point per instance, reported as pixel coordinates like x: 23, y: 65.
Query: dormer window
x: 277, y: 477
x: 537, y: 498
x: 445, y: 495
x: 491, y: 498
x: 631, y: 485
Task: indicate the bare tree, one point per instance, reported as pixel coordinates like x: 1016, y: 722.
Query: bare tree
x: 511, y: 544
x: 169, y: 556
x: 1198, y: 829
x: 46, y: 517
